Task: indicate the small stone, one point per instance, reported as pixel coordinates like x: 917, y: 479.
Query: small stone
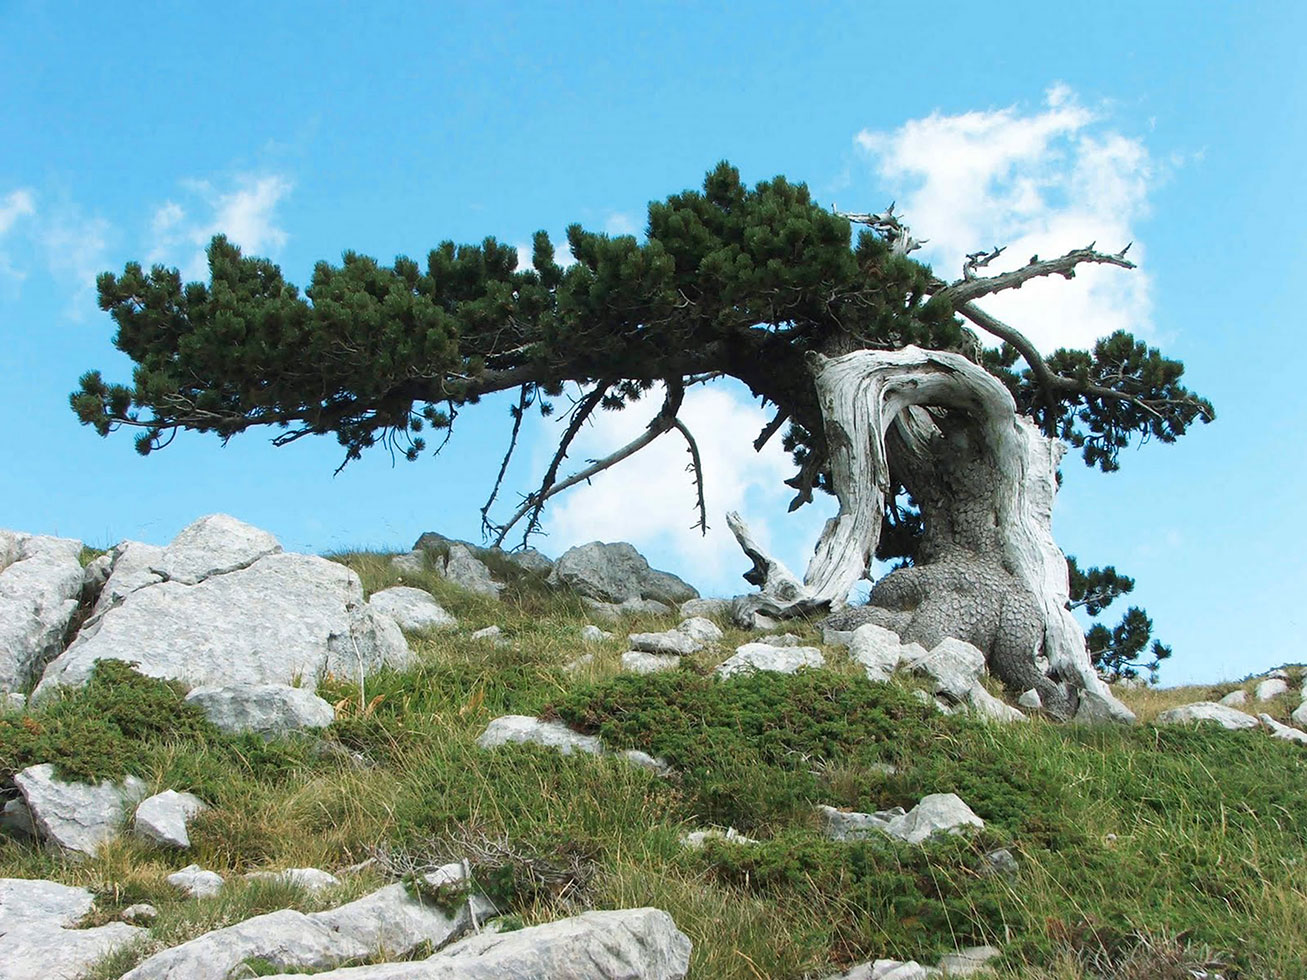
x: 196, y: 882
x: 467, y: 571
x: 704, y: 631
x: 1234, y: 699
x: 669, y: 642
x: 611, y: 612
x: 990, y: 708
x: 412, y: 609
x: 141, y: 912
x: 489, y: 633
x: 966, y: 962
x: 1100, y: 709
x: 645, y: 761
x: 760, y: 657
x: 593, y: 634
x: 935, y: 814
x: 1207, y: 711
x: 265, y: 709
x: 411, y: 563
x: 1030, y: 700
x: 1270, y: 688
x: 163, y: 817
x: 16, y: 819
x: 953, y: 665
x: 781, y: 640
x: 523, y: 729
x: 311, y: 880
x: 639, y: 662
x: 696, y: 839
x: 846, y: 825
x: 876, y: 649
x: 1283, y: 731
x: 999, y: 861
x: 11, y: 702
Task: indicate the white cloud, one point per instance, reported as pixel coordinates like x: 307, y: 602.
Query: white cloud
x: 15, y: 205
x: 649, y: 499
x: 76, y: 250
x: 620, y: 223
x: 562, y: 254
x: 245, y: 213
x: 1040, y: 182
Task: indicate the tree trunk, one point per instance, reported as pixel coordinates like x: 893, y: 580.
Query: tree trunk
x: 987, y: 570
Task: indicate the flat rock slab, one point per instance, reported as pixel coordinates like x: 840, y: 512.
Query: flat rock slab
x: 213, y: 545
x: 629, y: 944
x: 284, y: 619
x: 639, y: 662
x: 49, y: 903
x: 759, y: 657
x: 1189, y: 714
x: 285, y: 939
x: 617, y: 573
x: 309, y: 879
x: 40, y: 587
x: 162, y: 818
x: 76, y: 816
x: 196, y: 881
x: 1283, y: 731
x: 525, y: 730
x: 266, y: 709
x: 393, y: 923
x: 412, y: 609
x: 54, y: 953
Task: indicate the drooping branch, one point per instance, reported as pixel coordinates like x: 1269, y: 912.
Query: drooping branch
x: 518, y: 412
x: 696, y: 467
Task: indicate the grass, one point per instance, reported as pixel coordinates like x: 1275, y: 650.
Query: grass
x: 1142, y: 853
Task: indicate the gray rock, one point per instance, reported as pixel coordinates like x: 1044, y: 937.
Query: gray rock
x: 285, y: 939
x: 33, y: 900
x: 1030, y: 700
x: 753, y: 657
x: 95, y: 575
x: 40, y: 588
x: 953, y: 665
x: 966, y: 962
x: 491, y: 634
x: 1283, y: 731
x: 885, y: 970
x: 593, y: 634
x: 1234, y: 699
x: 719, y: 608
x: 670, y: 642
x: 999, y: 862
x: 412, y: 609
x: 640, y: 662
x: 50, y: 951
x: 196, y: 881
x: 213, y: 545
x: 1299, y: 715
x: 1207, y: 711
x: 76, y: 816
x: 140, y: 912
x: 781, y: 640
x: 266, y: 709
x: 1278, y: 673
x: 611, y: 612
x: 392, y: 922
x: 310, y: 880
x: 846, y: 825
x: 12, y: 703
x: 697, y: 838
x: 617, y: 573
x: 285, y: 618
x: 836, y: 638
x: 645, y: 761
x: 163, y: 817
x: 990, y: 708
x: 1095, y: 709
x: 131, y: 568
x: 877, y: 649
x: 523, y: 729
x: 938, y: 813
x: 531, y: 560
x: 1272, y: 687
x: 702, y: 630
x: 468, y: 572
x: 16, y: 819
x: 409, y: 563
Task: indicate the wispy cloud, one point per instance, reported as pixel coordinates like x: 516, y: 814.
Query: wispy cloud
x: 77, y: 251
x: 15, y: 205
x: 245, y: 212
x: 1040, y: 182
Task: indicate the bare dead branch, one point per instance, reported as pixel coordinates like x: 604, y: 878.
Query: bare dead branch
x: 522, y: 400
x: 770, y: 429
x: 696, y: 466
x: 969, y: 287
x: 888, y: 225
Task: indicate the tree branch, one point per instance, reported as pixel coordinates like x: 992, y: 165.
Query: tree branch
x: 696, y: 466
x: 969, y: 287
x: 770, y: 430
x: 518, y: 412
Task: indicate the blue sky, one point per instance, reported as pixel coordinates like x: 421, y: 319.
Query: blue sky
x: 304, y: 130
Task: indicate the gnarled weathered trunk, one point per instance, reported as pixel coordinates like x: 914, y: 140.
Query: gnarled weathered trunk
x: 987, y: 570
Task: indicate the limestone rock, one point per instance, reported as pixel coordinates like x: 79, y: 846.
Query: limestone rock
x: 213, y: 545
x: 285, y: 939
x: 697, y: 838
x: 140, y: 912
x: 999, y: 862
x: 1207, y: 711
x: 720, y: 608
x: 935, y: 814
x: 12, y: 703
x: 531, y: 560
x: 76, y: 816
x: 523, y: 729
x: 751, y: 657
x: 877, y: 649
x: 1272, y: 687
x: 266, y: 709
x: 412, y: 609
x: 196, y: 881
x: 308, y: 879
x: 845, y: 825
x: 885, y: 970
x: 705, y: 631
x: 954, y: 666
x: 611, y: 612
x: 670, y: 642
x: 40, y: 588
x: 282, y: 619
x: 593, y: 634
x: 1030, y: 700
x: 16, y: 819
x: 645, y: 761
x: 163, y: 817
x: 468, y: 572
x: 26, y: 900
x: 1234, y: 699
x: 966, y: 962
x: 1283, y: 731
x: 989, y: 707
x: 617, y: 573
x: 781, y: 640
x: 1095, y: 709
x: 409, y: 563
x: 392, y: 922
x: 640, y: 662
x: 38, y: 950
x: 1299, y: 715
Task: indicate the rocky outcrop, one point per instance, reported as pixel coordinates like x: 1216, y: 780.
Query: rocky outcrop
x: 76, y: 816
x: 412, y: 609
x: 36, y: 938
x: 468, y: 572
x: 266, y: 709
x: 617, y: 573
x: 41, y: 581
x: 223, y: 605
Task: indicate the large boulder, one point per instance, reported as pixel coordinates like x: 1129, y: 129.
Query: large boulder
x: 35, y: 935
x: 1190, y: 714
x: 617, y: 573
x: 412, y: 609
x: 752, y: 658
x: 469, y: 572
x: 237, y: 614
x: 41, y: 582
x: 626, y: 944
x: 76, y: 816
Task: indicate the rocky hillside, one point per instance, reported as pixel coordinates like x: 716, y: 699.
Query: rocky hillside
x: 219, y: 760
